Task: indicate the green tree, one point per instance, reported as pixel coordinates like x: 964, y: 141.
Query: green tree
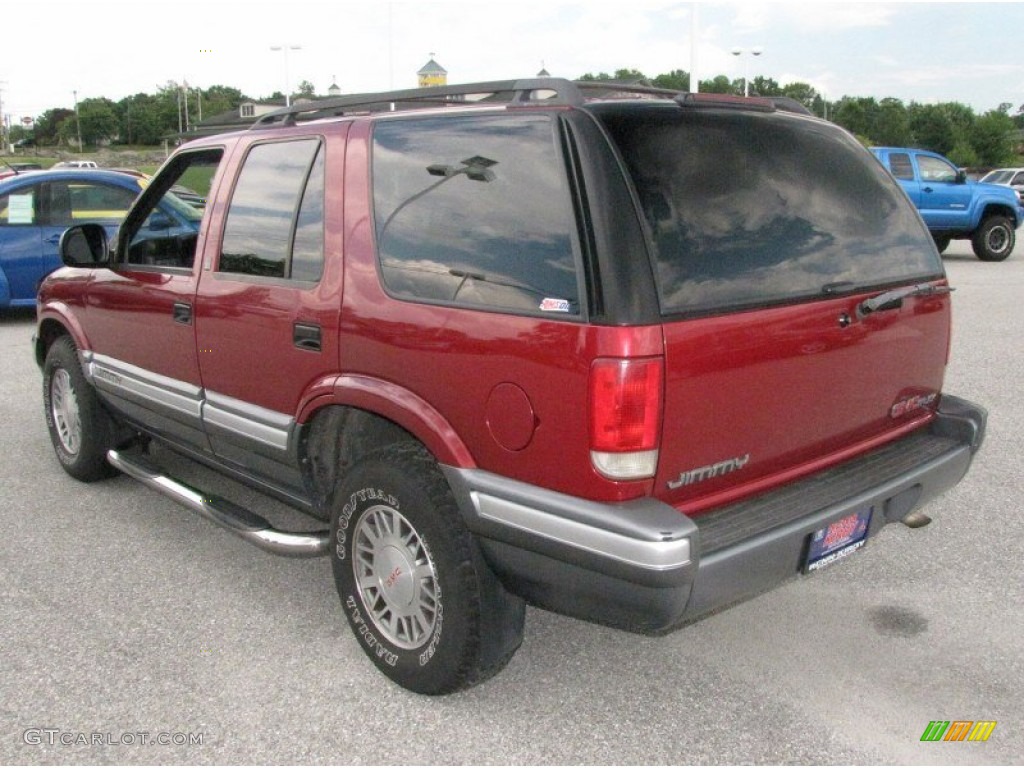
x: 931, y: 128
x: 48, y: 124
x: 805, y: 94
x: 856, y: 114
x: 146, y: 118
x: 990, y: 138
x: 677, y: 80
x: 891, y: 125
x: 719, y: 84
x: 306, y: 90
x: 98, y: 121
x: 764, y: 86
x: 621, y: 75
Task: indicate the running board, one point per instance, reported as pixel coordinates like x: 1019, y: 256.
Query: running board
x: 241, y: 522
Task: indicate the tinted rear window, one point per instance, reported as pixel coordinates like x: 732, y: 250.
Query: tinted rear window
x: 750, y: 209
x: 475, y: 211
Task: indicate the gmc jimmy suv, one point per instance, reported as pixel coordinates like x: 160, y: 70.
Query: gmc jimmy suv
x: 631, y: 355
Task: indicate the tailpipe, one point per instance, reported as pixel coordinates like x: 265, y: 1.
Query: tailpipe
x: 916, y: 520
x: 245, y: 524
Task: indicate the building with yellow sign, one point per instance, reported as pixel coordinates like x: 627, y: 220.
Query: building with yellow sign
x: 432, y: 73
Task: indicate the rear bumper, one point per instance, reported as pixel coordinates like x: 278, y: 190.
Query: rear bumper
x: 643, y: 566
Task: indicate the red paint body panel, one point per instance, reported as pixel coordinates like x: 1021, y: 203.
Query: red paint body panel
x: 129, y: 316
x: 792, y: 389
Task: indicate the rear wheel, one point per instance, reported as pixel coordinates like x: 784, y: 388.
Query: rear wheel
x: 423, y: 604
x: 994, y: 239
x: 80, y: 429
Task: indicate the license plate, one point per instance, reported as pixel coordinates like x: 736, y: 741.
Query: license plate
x: 837, y: 540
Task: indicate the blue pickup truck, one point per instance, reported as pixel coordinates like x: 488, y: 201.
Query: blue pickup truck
x: 953, y: 207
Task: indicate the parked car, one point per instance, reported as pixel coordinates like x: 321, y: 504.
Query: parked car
x: 13, y: 169
x: 36, y: 207
x: 183, y: 193
x: 954, y: 207
x: 22, y: 167
x: 630, y: 359
x: 76, y: 164
x: 1010, y: 177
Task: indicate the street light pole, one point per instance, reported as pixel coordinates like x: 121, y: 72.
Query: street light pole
x: 287, y: 83
x: 746, y: 71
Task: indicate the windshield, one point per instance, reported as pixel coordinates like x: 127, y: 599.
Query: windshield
x: 750, y: 209
x: 997, y: 177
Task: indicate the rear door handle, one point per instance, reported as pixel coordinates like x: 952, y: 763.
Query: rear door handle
x: 182, y: 313
x: 306, y: 336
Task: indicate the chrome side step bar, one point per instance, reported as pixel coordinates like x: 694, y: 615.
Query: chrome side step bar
x: 249, y: 526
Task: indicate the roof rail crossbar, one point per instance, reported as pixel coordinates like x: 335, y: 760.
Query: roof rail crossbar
x: 547, y: 90
x: 606, y: 89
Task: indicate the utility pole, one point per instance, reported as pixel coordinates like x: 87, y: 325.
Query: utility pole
x: 78, y: 123
x: 184, y: 93
x: 4, y: 146
x: 694, y: 42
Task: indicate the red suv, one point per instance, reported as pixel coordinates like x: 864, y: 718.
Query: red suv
x: 627, y: 356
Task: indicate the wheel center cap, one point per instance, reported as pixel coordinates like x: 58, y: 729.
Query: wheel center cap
x: 396, y: 579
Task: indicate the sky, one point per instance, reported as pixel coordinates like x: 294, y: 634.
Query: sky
x: 914, y: 51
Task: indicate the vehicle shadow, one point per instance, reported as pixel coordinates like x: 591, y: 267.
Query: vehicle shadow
x: 17, y: 315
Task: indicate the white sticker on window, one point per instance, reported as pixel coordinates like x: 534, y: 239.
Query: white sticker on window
x: 20, y: 209
x: 554, y: 305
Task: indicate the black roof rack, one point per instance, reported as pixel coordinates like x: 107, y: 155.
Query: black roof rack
x: 549, y: 91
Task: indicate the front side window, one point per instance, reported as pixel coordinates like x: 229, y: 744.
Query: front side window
x: 163, y: 230
x: 274, y: 224
x: 751, y: 209
x: 933, y: 169
x: 475, y: 210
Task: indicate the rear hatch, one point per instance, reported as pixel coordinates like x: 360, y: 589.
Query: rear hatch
x: 767, y: 230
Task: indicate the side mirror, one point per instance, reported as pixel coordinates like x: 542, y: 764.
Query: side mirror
x: 85, y: 245
x: 961, y: 176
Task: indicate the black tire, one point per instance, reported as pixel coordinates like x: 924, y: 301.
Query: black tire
x: 425, y: 607
x: 994, y: 239
x: 81, y: 430
x: 942, y: 242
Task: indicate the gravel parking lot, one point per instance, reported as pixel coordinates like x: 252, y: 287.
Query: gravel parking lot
x: 125, y: 621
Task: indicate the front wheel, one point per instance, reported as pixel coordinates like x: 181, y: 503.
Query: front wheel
x: 423, y: 604
x: 80, y: 429
x: 994, y: 239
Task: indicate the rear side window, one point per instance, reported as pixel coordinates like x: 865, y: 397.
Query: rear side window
x: 475, y: 210
x: 18, y: 207
x: 751, y: 209
x: 275, y: 221
x: 901, y: 167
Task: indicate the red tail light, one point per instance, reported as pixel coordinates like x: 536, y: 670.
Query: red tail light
x: 625, y: 416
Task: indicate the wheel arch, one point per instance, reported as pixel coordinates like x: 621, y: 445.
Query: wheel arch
x: 56, y: 321
x: 999, y: 208
x: 350, y: 416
